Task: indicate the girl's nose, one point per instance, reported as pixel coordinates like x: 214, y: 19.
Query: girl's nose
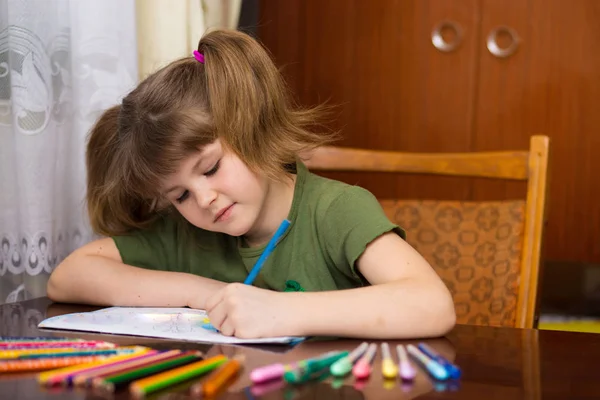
x: 206, y: 197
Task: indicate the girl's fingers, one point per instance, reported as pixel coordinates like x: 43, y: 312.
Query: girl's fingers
x: 227, y: 328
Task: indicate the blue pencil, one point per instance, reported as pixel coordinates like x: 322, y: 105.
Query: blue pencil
x: 260, y: 262
x: 268, y: 250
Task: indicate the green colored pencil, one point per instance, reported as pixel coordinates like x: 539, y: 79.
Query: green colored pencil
x: 169, y: 378
x: 112, y: 382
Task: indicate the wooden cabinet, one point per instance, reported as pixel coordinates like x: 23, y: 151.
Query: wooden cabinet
x: 396, y: 90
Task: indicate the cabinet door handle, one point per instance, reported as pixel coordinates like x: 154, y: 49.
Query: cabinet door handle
x: 438, y: 40
x: 496, y: 50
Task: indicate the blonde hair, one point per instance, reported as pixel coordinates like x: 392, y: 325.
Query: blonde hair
x: 237, y: 96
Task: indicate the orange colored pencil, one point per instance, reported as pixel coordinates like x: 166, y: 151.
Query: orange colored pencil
x: 217, y: 379
x: 40, y: 364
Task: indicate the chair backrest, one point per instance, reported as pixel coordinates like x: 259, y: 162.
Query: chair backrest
x: 487, y: 253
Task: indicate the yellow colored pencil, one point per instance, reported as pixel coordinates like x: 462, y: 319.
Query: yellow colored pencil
x: 44, y: 377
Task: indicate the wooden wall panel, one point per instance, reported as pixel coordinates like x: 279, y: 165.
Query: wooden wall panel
x: 280, y: 30
x: 550, y: 86
x: 394, y: 89
x: 500, y: 92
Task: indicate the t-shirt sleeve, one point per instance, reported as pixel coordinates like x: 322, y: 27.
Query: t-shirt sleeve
x: 351, y: 221
x: 154, y: 248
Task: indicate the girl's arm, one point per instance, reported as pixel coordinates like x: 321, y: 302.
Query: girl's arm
x: 407, y: 299
x: 95, y: 274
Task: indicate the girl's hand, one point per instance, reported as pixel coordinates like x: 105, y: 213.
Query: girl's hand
x: 203, y: 291
x: 246, y: 311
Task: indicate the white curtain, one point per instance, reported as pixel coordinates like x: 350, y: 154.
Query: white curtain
x: 61, y: 63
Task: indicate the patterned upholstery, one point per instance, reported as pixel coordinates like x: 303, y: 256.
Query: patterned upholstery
x: 476, y: 249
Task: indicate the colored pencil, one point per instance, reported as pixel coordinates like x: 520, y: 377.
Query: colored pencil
x: 165, y: 379
x: 219, y: 378
x: 86, y: 378
x: 4, y: 354
x: 56, y: 376
x: 258, y: 265
x: 116, y: 381
x: 35, y: 338
x: 54, y: 345
x: 79, y: 353
x: 267, y: 252
x: 45, y: 364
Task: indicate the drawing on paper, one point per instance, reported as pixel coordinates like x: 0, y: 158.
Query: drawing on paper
x: 168, y: 323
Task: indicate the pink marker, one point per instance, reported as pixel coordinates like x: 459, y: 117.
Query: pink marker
x: 406, y: 371
x: 270, y: 372
x: 267, y: 373
x: 362, y: 368
x: 267, y: 387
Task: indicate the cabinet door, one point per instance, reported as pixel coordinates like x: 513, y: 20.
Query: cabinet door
x: 395, y: 90
x: 551, y: 86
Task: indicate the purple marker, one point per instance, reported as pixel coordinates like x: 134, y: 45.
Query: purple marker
x: 405, y: 370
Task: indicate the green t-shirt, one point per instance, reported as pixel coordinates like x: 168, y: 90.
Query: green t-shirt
x: 331, y: 225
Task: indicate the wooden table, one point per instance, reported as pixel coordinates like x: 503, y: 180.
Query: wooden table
x: 497, y: 363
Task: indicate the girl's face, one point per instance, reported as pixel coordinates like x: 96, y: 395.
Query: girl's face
x: 214, y: 190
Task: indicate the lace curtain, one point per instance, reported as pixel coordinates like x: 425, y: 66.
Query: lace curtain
x: 61, y: 63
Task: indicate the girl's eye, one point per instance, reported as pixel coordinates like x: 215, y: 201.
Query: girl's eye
x: 213, y: 170
x: 183, y: 196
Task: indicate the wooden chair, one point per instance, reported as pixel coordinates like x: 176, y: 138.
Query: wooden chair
x: 487, y: 253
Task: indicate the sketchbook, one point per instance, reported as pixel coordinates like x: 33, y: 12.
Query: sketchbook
x: 184, y: 324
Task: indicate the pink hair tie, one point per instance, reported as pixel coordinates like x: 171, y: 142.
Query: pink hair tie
x: 199, y: 56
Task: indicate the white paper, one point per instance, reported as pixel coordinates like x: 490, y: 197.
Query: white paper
x: 167, y: 323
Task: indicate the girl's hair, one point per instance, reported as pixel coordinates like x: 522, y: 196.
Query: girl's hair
x: 237, y: 96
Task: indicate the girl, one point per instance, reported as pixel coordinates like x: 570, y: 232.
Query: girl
x: 191, y: 176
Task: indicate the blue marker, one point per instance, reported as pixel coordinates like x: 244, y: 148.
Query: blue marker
x: 260, y: 262
x: 433, y: 367
x: 452, y: 369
